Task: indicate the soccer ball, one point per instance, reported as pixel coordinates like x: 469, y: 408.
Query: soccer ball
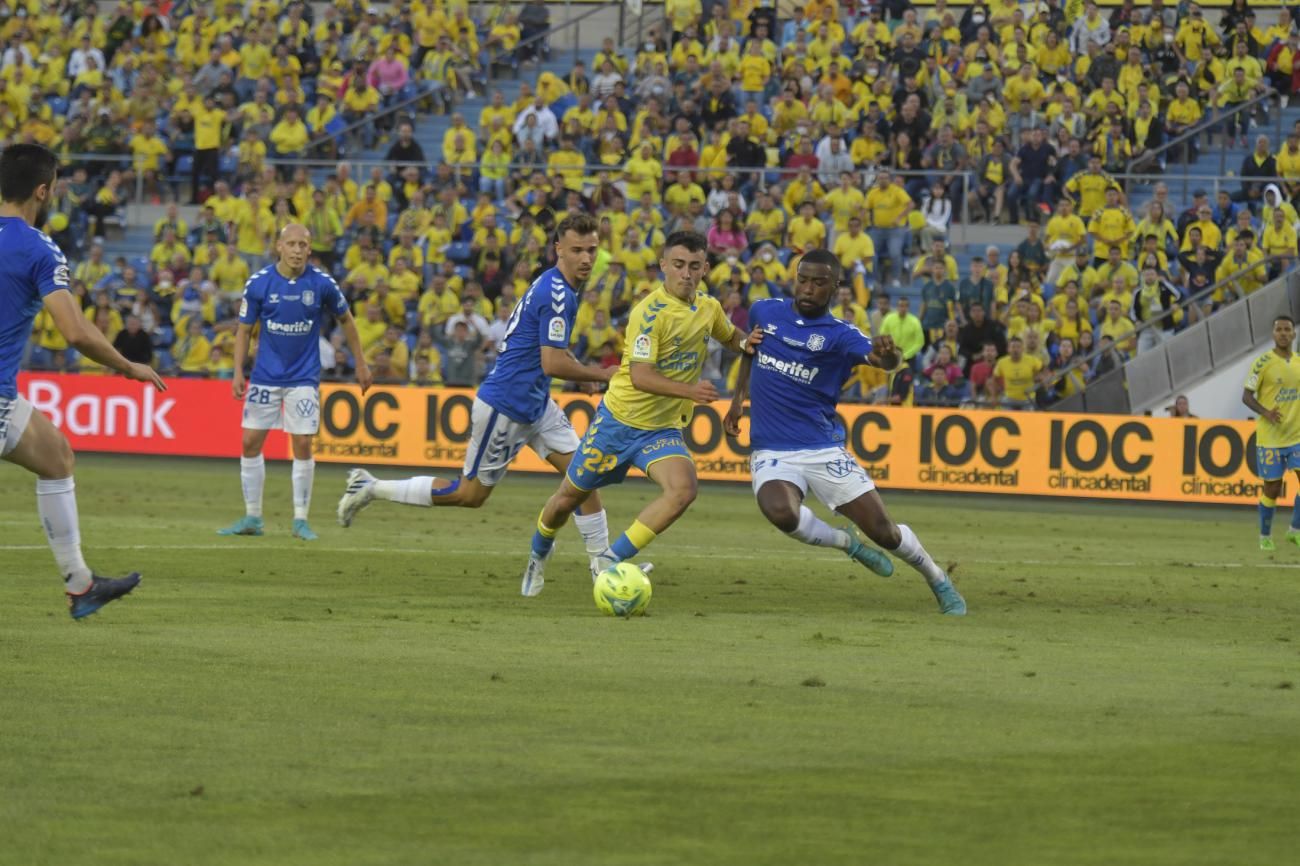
x: 622, y: 590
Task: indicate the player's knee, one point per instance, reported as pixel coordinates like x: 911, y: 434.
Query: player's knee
x: 682, y: 495
x: 781, y: 515
x: 474, y: 496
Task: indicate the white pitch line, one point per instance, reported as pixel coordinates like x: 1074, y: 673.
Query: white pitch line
x: 705, y: 553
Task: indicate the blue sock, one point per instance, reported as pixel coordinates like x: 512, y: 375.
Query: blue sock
x: 543, y: 540
x: 1266, y: 508
x: 622, y: 548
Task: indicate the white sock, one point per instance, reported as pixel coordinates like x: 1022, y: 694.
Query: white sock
x: 408, y: 491
x: 817, y: 532
x: 56, y: 501
x: 910, y: 550
x: 304, y: 473
x: 594, y: 529
x: 252, y: 475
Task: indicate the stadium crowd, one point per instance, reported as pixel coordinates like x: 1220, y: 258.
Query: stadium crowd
x: 868, y: 131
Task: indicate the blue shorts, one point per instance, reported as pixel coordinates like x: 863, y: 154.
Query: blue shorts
x: 1274, y: 462
x: 610, y: 448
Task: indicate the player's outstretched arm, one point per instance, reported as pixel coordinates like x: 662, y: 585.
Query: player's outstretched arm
x: 561, y: 364
x: 364, y: 377
x: 646, y: 378
x: 731, y: 423
x: 243, y: 334
x: 87, y: 339
x: 1252, y: 403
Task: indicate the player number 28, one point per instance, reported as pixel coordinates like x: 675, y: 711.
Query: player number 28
x: 259, y: 395
x: 598, y: 462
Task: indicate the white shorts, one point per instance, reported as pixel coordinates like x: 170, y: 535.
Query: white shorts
x: 14, y: 417
x: 495, y: 439
x: 295, y: 410
x: 831, y: 473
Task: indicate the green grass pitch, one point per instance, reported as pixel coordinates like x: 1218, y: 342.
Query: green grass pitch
x: 1124, y: 690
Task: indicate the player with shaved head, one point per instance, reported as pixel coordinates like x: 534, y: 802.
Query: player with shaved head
x: 288, y: 302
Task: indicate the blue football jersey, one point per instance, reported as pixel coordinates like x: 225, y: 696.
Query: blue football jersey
x: 797, y: 374
x: 517, y: 387
x: 31, y: 267
x: 290, y: 312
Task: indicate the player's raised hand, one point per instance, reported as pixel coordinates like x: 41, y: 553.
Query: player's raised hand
x: 238, y: 387
x: 704, y: 392
x: 755, y: 337
x: 145, y: 373
x: 884, y: 353
x: 364, y: 377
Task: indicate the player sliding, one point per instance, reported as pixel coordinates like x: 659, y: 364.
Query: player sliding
x: 1273, y: 393
x: 288, y: 300
x: 650, y: 399
x: 513, y: 406
x: 798, y: 442
x: 33, y: 272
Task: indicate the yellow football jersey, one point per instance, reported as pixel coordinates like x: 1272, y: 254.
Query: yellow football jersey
x: 672, y: 335
x: 1275, y: 382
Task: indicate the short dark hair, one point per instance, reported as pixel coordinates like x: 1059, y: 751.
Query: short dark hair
x: 822, y: 256
x: 579, y: 224
x: 24, y: 167
x: 1283, y: 317
x: 693, y: 241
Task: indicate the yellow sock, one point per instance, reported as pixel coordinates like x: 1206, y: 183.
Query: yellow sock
x: 640, y: 534
x: 544, y: 530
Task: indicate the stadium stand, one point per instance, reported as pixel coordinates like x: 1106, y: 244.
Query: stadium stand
x: 430, y: 152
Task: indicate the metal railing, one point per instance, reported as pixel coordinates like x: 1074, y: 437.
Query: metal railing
x: 1183, y: 306
x: 1207, y: 125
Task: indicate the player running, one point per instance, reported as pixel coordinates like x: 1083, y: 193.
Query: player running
x: 797, y: 440
x: 288, y: 300
x: 513, y: 407
x: 650, y: 398
x: 33, y: 272
x: 1272, y: 392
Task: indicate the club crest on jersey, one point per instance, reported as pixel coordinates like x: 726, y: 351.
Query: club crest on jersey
x: 769, y: 329
x: 557, y: 329
x: 816, y: 342
x: 274, y: 298
x: 308, y: 297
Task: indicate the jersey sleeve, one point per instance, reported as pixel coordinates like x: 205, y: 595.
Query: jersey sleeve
x: 332, y: 296
x: 758, y: 313
x: 556, y: 313
x: 49, y: 267
x: 643, y: 329
x: 250, y: 307
x: 854, y: 343
x: 722, y: 328
x: 1256, y: 373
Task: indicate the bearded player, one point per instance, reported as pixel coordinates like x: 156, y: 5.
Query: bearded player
x: 794, y: 381
x: 34, y: 274
x: 1272, y: 392
x: 513, y: 406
